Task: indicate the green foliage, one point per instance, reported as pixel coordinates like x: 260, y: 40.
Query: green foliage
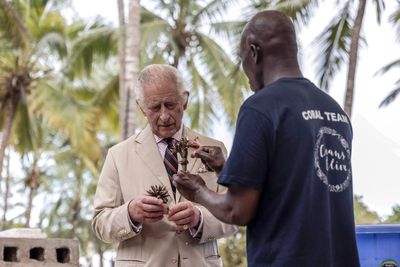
x: 67, y: 108
x: 363, y: 215
x: 395, y: 216
x: 55, y: 130
x: 190, y: 42
x: 233, y: 249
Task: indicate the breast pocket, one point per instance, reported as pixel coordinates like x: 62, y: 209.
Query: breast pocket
x: 211, y: 254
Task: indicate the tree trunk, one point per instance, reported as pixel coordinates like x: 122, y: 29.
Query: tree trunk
x: 32, y: 182
x: 130, y: 69
x: 101, y: 254
x: 6, y: 193
x: 355, y: 38
x: 28, y: 212
x: 11, y: 110
x: 121, y: 53
x: 76, y: 208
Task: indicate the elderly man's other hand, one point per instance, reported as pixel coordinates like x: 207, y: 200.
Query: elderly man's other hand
x: 184, y: 215
x: 211, y: 156
x: 147, y: 209
x: 188, y: 184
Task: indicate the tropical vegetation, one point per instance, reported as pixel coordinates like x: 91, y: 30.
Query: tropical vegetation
x: 64, y: 101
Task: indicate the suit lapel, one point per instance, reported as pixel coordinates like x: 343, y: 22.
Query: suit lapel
x: 147, y: 150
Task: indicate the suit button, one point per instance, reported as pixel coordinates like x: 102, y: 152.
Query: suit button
x: 121, y: 232
x: 174, y: 260
x: 187, y: 243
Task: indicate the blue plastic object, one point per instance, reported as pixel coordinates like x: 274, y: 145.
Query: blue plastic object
x: 379, y: 245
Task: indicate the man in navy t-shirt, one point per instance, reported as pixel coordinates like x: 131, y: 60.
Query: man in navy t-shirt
x: 289, y: 173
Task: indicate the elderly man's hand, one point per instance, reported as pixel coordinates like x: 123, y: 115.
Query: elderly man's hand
x: 184, y: 215
x: 188, y: 184
x: 147, y: 209
x: 211, y: 156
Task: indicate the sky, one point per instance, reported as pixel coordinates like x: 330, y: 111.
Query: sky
x: 376, y: 142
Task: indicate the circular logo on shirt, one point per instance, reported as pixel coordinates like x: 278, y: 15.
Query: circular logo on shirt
x: 389, y: 263
x: 332, y: 160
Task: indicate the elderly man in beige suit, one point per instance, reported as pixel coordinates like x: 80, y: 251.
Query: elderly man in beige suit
x: 149, y: 232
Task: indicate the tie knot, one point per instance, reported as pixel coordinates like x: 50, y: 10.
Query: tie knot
x: 169, y: 141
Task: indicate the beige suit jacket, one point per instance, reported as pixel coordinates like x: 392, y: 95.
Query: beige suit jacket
x: 130, y: 168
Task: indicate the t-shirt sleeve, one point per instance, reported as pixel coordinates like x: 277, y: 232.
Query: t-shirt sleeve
x: 248, y: 162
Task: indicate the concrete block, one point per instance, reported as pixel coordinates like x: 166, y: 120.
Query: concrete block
x: 23, y: 233
x: 37, y: 252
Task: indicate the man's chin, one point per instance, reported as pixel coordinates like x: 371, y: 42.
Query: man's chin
x: 167, y: 131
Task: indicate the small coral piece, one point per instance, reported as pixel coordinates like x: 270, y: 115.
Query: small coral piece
x: 160, y: 192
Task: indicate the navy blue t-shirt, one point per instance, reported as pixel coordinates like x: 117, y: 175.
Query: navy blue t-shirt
x: 293, y: 145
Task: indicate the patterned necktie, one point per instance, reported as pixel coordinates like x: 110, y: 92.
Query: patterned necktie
x: 170, y: 160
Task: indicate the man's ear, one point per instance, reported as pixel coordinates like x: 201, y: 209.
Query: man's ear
x: 186, y: 100
x: 140, y: 106
x: 255, y: 53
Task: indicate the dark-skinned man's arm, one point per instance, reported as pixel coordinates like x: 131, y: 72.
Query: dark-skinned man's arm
x: 237, y: 206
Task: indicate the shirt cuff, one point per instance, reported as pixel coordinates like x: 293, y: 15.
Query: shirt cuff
x: 135, y: 226
x: 196, y: 232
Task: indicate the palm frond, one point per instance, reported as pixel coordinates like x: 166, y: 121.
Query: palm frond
x: 95, y: 44
x: 147, y: 15
x: 151, y: 32
x: 106, y: 102
x: 211, y: 11
x: 224, y: 74
x: 391, y: 97
x: 53, y: 42
x: 200, y: 110
x: 388, y: 67
x: 300, y: 11
x: 395, y: 19
x: 13, y: 26
x: 49, y: 22
x: 379, y: 8
x: 229, y: 30
x: 76, y: 119
x: 334, y: 42
x: 25, y: 133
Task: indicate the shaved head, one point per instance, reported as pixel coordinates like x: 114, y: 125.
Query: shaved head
x: 268, y: 48
x: 271, y: 29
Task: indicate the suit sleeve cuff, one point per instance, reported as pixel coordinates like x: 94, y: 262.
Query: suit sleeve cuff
x: 196, y: 232
x: 135, y: 226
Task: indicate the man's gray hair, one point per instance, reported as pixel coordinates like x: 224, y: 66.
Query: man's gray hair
x: 156, y: 73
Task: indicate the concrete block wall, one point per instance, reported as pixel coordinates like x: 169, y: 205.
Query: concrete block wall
x: 35, y: 252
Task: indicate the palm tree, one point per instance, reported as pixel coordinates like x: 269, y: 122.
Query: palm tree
x: 17, y: 73
x: 183, y: 34
x: 129, y: 52
x: 339, y: 41
x: 35, y: 94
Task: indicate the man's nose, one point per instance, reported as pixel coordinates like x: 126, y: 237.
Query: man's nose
x: 164, y: 114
